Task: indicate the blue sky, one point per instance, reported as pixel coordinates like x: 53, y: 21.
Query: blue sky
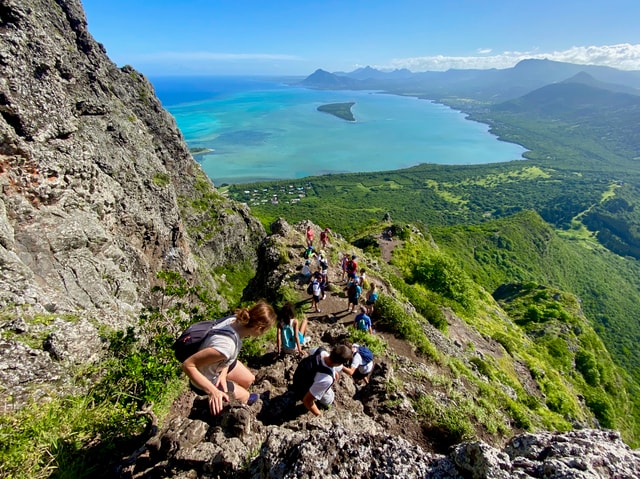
x: 295, y: 37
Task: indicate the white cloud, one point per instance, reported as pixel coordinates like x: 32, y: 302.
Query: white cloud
x: 623, y: 56
x: 484, y: 51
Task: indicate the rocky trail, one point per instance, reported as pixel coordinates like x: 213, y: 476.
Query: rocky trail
x: 371, y: 430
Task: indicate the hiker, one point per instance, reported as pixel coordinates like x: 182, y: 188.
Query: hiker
x: 315, y: 375
x: 343, y: 266
x: 324, y: 237
x: 352, y: 267
x: 316, y: 291
x: 372, y: 297
x: 323, y: 263
x: 361, y: 365
x: 309, y: 253
x: 306, y: 270
x: 324, y: 282
x: 291, y: 333
x: 362, y: 277
x: 214, y: 369
x: 362, y: 322
x: 353, y: 295
x: 310, y: 234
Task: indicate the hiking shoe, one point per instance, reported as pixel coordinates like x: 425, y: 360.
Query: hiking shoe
x: 253, y: 397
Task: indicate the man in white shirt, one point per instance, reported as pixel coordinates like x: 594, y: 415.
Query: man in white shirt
x: 315, y: 375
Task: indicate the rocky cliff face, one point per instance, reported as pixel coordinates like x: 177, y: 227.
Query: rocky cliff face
x: 95, y: 180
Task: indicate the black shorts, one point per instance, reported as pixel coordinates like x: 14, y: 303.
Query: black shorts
x: 231, y: 387
x: 358, y: 376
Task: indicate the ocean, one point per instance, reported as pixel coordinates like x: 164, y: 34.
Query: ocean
x: 258, y: 129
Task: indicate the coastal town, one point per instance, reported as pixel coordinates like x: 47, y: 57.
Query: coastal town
x: 290, y: 193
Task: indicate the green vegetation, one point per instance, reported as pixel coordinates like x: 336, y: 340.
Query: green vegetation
x: 82, y: 436
x: 341, y: 110
x: 161, y: 179
x: 567, y: 218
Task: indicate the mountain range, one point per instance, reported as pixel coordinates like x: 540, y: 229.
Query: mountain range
x: 484, y: 85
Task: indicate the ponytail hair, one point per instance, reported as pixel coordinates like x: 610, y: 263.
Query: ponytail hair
x: 260, y: 315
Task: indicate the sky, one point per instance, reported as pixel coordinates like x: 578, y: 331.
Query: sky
x: 296, y: 37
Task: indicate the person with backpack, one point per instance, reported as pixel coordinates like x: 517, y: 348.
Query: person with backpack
x: 372, y: 297
x: 343, y: 266
x: 316, y: 292
x: 352, y: 267
x: 361, y: 364
x: 291, y: 333
x: 362, y: 322
x: 315, y: 375
x: 353, y: 295
x: 209, y: 350
x: 324, y: 237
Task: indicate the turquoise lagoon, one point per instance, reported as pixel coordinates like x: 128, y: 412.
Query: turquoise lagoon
x: 256, y: 129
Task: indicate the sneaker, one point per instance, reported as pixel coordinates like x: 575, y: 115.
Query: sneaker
x: 253, y: 397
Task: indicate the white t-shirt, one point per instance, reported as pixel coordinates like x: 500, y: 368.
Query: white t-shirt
x: 225, y: 345
x: 356, y: 362
x: 322, y: 382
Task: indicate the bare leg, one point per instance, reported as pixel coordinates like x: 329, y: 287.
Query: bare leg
x: 303, y: 327
x: 241, y: 376
x: 241, y: 394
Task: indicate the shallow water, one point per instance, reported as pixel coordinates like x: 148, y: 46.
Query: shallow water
x: 262, y: 130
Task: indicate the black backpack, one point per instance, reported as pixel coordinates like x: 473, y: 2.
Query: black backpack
x: 306, y: 372
x: 191, y: 339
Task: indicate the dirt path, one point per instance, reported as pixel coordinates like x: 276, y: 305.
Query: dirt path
x: 334, y: 307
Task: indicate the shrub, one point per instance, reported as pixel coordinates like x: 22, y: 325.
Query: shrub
x: 587, y: 365
x: 601, y: 407
x: 392, y: 317
x: 441, y: 274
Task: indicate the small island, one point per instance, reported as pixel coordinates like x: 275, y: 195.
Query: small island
x: 341, y: 110
x: 199, y: 151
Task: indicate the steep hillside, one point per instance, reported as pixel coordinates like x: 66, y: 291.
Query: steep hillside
x: 485, y: 373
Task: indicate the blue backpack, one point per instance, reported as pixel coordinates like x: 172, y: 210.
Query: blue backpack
x: 362, y: 325
x: 366, y: 354
x: 288, y: 337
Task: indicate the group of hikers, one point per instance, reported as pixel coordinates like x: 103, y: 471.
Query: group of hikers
x: 209, y: 355
x: 209, y: 350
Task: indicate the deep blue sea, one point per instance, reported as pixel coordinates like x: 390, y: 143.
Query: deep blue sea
x: 258, y: 129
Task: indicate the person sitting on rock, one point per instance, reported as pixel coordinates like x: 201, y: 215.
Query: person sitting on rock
x: 315, y: 375
x: 215, y: 371
x: 291, y: 333
x: 361, y: 364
